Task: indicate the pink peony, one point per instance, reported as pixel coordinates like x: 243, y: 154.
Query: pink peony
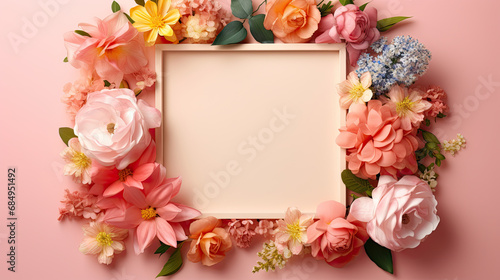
x: 111, y: 48
x: 210, y: 242
x: 437, y: 97
x: 408, y: 104
x: 333, y: 238
x: 112, y: 181
x: 113, y: 127
x: 79, y: 204
x: 241, y: 232
x: 201, y: 20
x: 400, y: 215
x: 358, y: 28
x: 376, y: 141
x: 152, y: 213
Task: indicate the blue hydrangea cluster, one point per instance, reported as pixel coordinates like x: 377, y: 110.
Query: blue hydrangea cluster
x: 400, y: 62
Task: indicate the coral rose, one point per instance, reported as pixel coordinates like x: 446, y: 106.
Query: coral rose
x: 358, y: 28
x: 376, y: 141
x: 400, y: 215
x: 333, y: 238
x: 112, y: 127
x: 210, y: 241
x: 292, y: 21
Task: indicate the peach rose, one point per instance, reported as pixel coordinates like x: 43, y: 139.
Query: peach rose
x: 210, y: 241
x: 292, y: 21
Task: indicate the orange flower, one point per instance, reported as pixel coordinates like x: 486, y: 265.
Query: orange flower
x: 292, y: 21
x: 210, y: 241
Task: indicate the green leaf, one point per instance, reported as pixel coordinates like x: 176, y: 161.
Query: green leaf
x: 431, y: 145
x: 346, y: 2
x: 258, y: 31
x: 440, y: 156
x: 427, y: 122
x: 140, y: 2
x: 233, y: 33
x: 355, y: 183
x: 129, y: 18
x: 162, y: 249
x: 106, y: 83
x: 115, y: 7
x: 241, y: 8
x: 65, y: 59
x: 441, y: 115
x: 173, y: 264
x: 381, y: 256
x: 325, y: 9
x: 386, y: 23
x: 429, y: 137
x: 362, y: 7
x: 66, y: 133
x: 83, y: 33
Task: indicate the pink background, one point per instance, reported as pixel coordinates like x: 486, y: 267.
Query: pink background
x: 464, y: 41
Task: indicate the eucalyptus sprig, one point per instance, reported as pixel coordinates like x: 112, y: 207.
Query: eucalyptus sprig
x: 432, y: 148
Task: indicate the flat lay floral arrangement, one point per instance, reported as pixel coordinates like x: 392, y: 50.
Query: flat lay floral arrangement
x: 392, y: 156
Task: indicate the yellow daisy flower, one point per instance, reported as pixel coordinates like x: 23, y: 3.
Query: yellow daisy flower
x: 153, y: 19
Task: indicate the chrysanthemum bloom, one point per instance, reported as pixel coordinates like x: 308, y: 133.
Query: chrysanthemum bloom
x: 103, y: 240
x: 241, y: 232
x: 111, y: 48
x: 153, y: 214
x: 78, y: 164
x: 153, y: 19
x: 408, y: 104
x: 355, y: 90
x: 376, y: 141
x: 292, y: 232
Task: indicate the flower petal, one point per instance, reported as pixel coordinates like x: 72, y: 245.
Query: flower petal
x: 145, y: 234
x: 165, y: 232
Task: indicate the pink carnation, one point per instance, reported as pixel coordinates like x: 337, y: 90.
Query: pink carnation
x: 376, y: 141
x: 241, y: 232
x: 79, y: 204
x: 75, y: 94
x: 201, y: 20
x: 437, y: 97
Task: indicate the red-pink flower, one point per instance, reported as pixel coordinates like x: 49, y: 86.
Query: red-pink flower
x: 110, y: 48
x: 79, y: 204
x: 437, y: 97
x: 112, y: 181
x: 333, y: 238
x: 241, y: 232
x: 376, y: 141
x: 152, y: 213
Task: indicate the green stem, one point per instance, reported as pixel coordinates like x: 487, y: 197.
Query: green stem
x: 265, y: 1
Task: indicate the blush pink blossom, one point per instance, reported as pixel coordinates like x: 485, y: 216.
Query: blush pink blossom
x: 358, y: 28
x: 291, y: 233
x: 333, y: 238
x: 145, y: 78
x: 376, y: 141
x: 111, y: 48
x: 408, y: 104
x: 79, y: 204
x: 103, y: 240
x: 400, y: 214
x: 241, y: 232
x: 264, y: 227
x: 113, y: 127
x: 75, y: 94
x: 437, y: 97
x: 152, y: 214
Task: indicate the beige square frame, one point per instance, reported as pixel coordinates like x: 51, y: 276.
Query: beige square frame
x: 251, y: 128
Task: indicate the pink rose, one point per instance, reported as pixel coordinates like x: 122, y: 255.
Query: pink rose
x: 358, y: 28
x: 400, y: 215
x: 333, y: 238
x: 210, y: 242
x: 112, y: 127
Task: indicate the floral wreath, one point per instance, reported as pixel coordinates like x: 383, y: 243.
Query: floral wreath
x: 391, y: 154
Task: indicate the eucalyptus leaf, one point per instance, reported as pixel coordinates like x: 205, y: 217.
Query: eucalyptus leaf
x: 115, y: 7
x: 242, y: 8
x: 346, y: 2
x: 380, y: 255
x: 429, y: 137
x: 173, y: 264
x: 66, y: 133
x: 83, y: 33
x: 140, y: 2
x: 356, y: 184
x: 362, y: 7
x: 386, y: 23
x: 233, y: 33
x: 258, y: 31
